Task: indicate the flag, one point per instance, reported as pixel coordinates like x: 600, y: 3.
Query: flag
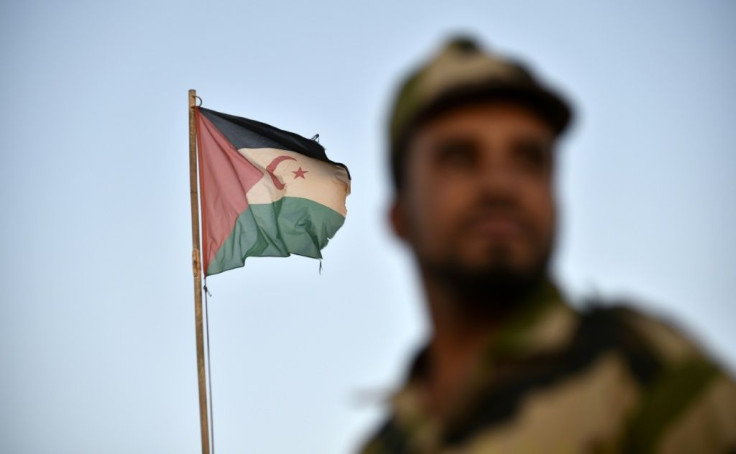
x: 264, y: 192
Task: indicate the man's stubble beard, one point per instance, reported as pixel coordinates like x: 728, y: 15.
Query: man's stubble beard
x: 496, y: 287
x: 499, y: 284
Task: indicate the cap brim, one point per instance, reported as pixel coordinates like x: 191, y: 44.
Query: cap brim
x: 550, y: 106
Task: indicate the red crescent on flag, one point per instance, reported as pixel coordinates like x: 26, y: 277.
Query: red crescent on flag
x: 272, y: 166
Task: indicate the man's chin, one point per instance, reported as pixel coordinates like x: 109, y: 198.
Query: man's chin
x: 495, y: 280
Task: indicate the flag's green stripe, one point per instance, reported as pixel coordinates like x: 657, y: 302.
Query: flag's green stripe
x: 291, y: 225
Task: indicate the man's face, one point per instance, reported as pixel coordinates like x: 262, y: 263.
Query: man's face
x: 477, y: 200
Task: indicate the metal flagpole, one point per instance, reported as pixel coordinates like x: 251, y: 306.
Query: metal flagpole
x: 197, y: 271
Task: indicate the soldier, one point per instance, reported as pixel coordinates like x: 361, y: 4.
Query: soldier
x: 510, y: 366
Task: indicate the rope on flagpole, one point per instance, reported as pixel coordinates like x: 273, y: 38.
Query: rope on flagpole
x: 209, y: 365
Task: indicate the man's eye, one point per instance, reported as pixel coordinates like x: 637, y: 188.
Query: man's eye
x: 457, y: 153
x: 532, y: 155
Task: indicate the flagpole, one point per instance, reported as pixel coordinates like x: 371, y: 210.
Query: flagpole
x: 196, y: 269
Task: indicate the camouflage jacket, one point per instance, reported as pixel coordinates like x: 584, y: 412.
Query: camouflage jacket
x: 555, y: 380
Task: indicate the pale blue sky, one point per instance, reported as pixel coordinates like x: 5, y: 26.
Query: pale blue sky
x: 97, y: 325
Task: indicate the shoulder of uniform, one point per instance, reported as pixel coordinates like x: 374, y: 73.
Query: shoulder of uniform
x: 686, y: 399
x: 657, y: 336
x: 388, y: 438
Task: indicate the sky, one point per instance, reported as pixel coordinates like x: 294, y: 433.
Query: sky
x: 97, y: 328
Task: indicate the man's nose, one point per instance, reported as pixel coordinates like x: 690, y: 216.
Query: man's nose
x: 493, y: 175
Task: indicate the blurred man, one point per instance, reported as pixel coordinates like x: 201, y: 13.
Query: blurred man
x: 510, y: 367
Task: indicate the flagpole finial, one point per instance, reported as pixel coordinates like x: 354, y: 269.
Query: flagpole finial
x: 193, y: 97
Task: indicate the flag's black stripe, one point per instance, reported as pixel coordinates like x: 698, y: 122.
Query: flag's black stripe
x: 245, y: 133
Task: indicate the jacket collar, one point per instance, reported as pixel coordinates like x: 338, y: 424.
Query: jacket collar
x: 540, y: 326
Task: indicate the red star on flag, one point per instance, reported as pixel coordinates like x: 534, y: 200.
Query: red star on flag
x: 299, y: 173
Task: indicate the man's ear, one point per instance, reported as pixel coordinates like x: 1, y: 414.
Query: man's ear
x: 397, y: 218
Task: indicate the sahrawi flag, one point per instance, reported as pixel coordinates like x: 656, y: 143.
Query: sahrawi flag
x: 264, y: 192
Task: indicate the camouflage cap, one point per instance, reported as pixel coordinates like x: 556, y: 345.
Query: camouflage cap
x: 462, y: 72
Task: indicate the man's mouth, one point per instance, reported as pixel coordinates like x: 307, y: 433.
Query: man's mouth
x: 495, y: 226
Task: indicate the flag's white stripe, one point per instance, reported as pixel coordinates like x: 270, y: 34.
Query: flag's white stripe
x: 323, y: 182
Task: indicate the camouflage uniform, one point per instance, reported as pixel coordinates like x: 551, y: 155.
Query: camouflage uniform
x: 554, y: 380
